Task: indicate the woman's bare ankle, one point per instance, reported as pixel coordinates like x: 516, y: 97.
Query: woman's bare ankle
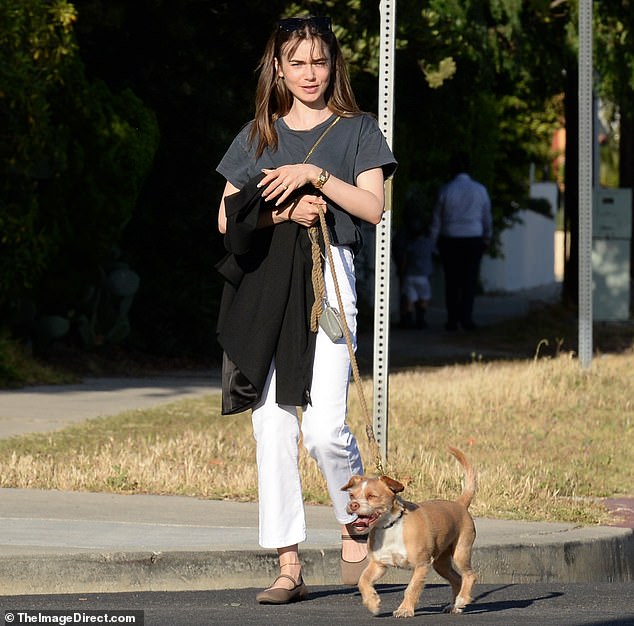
x: 290, y: 566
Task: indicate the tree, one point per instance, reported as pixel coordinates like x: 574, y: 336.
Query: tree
x: 37, y: 50
x: 194, y: 64
x: 73, y: 161
x: 480, y: 75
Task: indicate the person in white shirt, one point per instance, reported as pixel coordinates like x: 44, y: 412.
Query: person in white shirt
x: 462, y: 229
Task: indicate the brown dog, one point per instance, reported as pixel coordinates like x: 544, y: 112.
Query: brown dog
x: 436, y: 533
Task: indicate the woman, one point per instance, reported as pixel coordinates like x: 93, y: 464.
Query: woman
x: 309, y: 147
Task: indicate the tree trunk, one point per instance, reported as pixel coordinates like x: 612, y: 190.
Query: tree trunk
x: 571, y: 186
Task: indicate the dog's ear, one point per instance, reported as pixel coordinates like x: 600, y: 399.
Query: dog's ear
x: 354, y: 480
x: 393, y: 485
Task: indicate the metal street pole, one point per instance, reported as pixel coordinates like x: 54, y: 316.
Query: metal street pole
x: 383, y: 232
x: 585, y: 182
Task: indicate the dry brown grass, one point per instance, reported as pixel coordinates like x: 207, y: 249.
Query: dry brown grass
x: 547, y: 439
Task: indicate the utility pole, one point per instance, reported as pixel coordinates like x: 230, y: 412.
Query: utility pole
x: 586, y: 136
x: 383, y: 232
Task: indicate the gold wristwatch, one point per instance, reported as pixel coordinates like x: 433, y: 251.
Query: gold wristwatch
x: 321, y: 179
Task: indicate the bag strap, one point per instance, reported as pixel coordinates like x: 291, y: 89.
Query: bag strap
x: 319, y: 288
x: 310, y: 152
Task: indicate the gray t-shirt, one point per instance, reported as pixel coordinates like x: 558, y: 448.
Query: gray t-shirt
x: 352, y: 146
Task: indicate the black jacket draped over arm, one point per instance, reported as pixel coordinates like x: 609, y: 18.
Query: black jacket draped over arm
x: 265, y: 306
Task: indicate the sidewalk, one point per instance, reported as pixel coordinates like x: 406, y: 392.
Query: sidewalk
x: 51, y: 407
x: 66, y: 542
x: 62, y: 542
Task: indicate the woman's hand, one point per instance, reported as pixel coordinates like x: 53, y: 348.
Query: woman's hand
x: 365, y: 199
x: 303, y: 210
x: 280, y: 183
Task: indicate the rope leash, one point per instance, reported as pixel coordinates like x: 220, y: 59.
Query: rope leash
x: 320, y: 293
x: 319, y: 289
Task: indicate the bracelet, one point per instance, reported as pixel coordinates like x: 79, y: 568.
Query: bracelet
x: 322, y: 179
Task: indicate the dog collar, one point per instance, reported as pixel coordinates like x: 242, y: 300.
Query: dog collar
x: 394, y: 520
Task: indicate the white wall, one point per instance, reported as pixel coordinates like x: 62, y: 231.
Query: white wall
x: 528, y: 249
x: 528, y: 260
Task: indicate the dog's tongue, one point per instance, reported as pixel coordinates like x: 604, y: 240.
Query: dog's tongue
x: 362, y: 522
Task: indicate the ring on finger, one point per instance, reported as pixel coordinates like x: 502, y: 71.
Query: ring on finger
x: 285, y: 187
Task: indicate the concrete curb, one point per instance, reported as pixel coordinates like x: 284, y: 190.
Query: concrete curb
x: 606, y: 558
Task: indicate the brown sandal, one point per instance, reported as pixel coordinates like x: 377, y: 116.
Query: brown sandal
x: 351, y: 570
x: 279, y: 595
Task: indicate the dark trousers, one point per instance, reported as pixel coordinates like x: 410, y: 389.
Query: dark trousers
x: 460, y: 257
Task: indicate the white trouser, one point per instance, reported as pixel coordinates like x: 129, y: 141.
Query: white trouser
x: 326, y: 435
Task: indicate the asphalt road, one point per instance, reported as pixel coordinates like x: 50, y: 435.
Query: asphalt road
x: 539, y: 604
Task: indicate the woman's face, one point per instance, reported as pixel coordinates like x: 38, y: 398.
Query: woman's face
x: 306, y: 71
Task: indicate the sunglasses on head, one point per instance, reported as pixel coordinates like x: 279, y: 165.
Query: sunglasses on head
x: 291, y: 24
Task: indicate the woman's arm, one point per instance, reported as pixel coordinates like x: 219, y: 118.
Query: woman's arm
x: 222, y: 213
x: 364, y: 200
x: 303, y: 210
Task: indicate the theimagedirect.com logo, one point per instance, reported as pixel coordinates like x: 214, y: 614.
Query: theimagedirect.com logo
x: 62, y: 618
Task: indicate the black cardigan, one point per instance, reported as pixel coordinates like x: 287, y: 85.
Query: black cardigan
x: 265, y: 307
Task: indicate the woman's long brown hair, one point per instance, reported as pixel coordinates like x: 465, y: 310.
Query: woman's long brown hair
x: 273, y: 99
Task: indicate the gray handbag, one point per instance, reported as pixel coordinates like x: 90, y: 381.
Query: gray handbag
x: 330, y: 322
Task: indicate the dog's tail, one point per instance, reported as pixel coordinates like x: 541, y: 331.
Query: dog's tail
x: 470, y: 481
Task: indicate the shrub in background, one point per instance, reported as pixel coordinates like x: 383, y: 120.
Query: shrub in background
x: 73, y: 161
